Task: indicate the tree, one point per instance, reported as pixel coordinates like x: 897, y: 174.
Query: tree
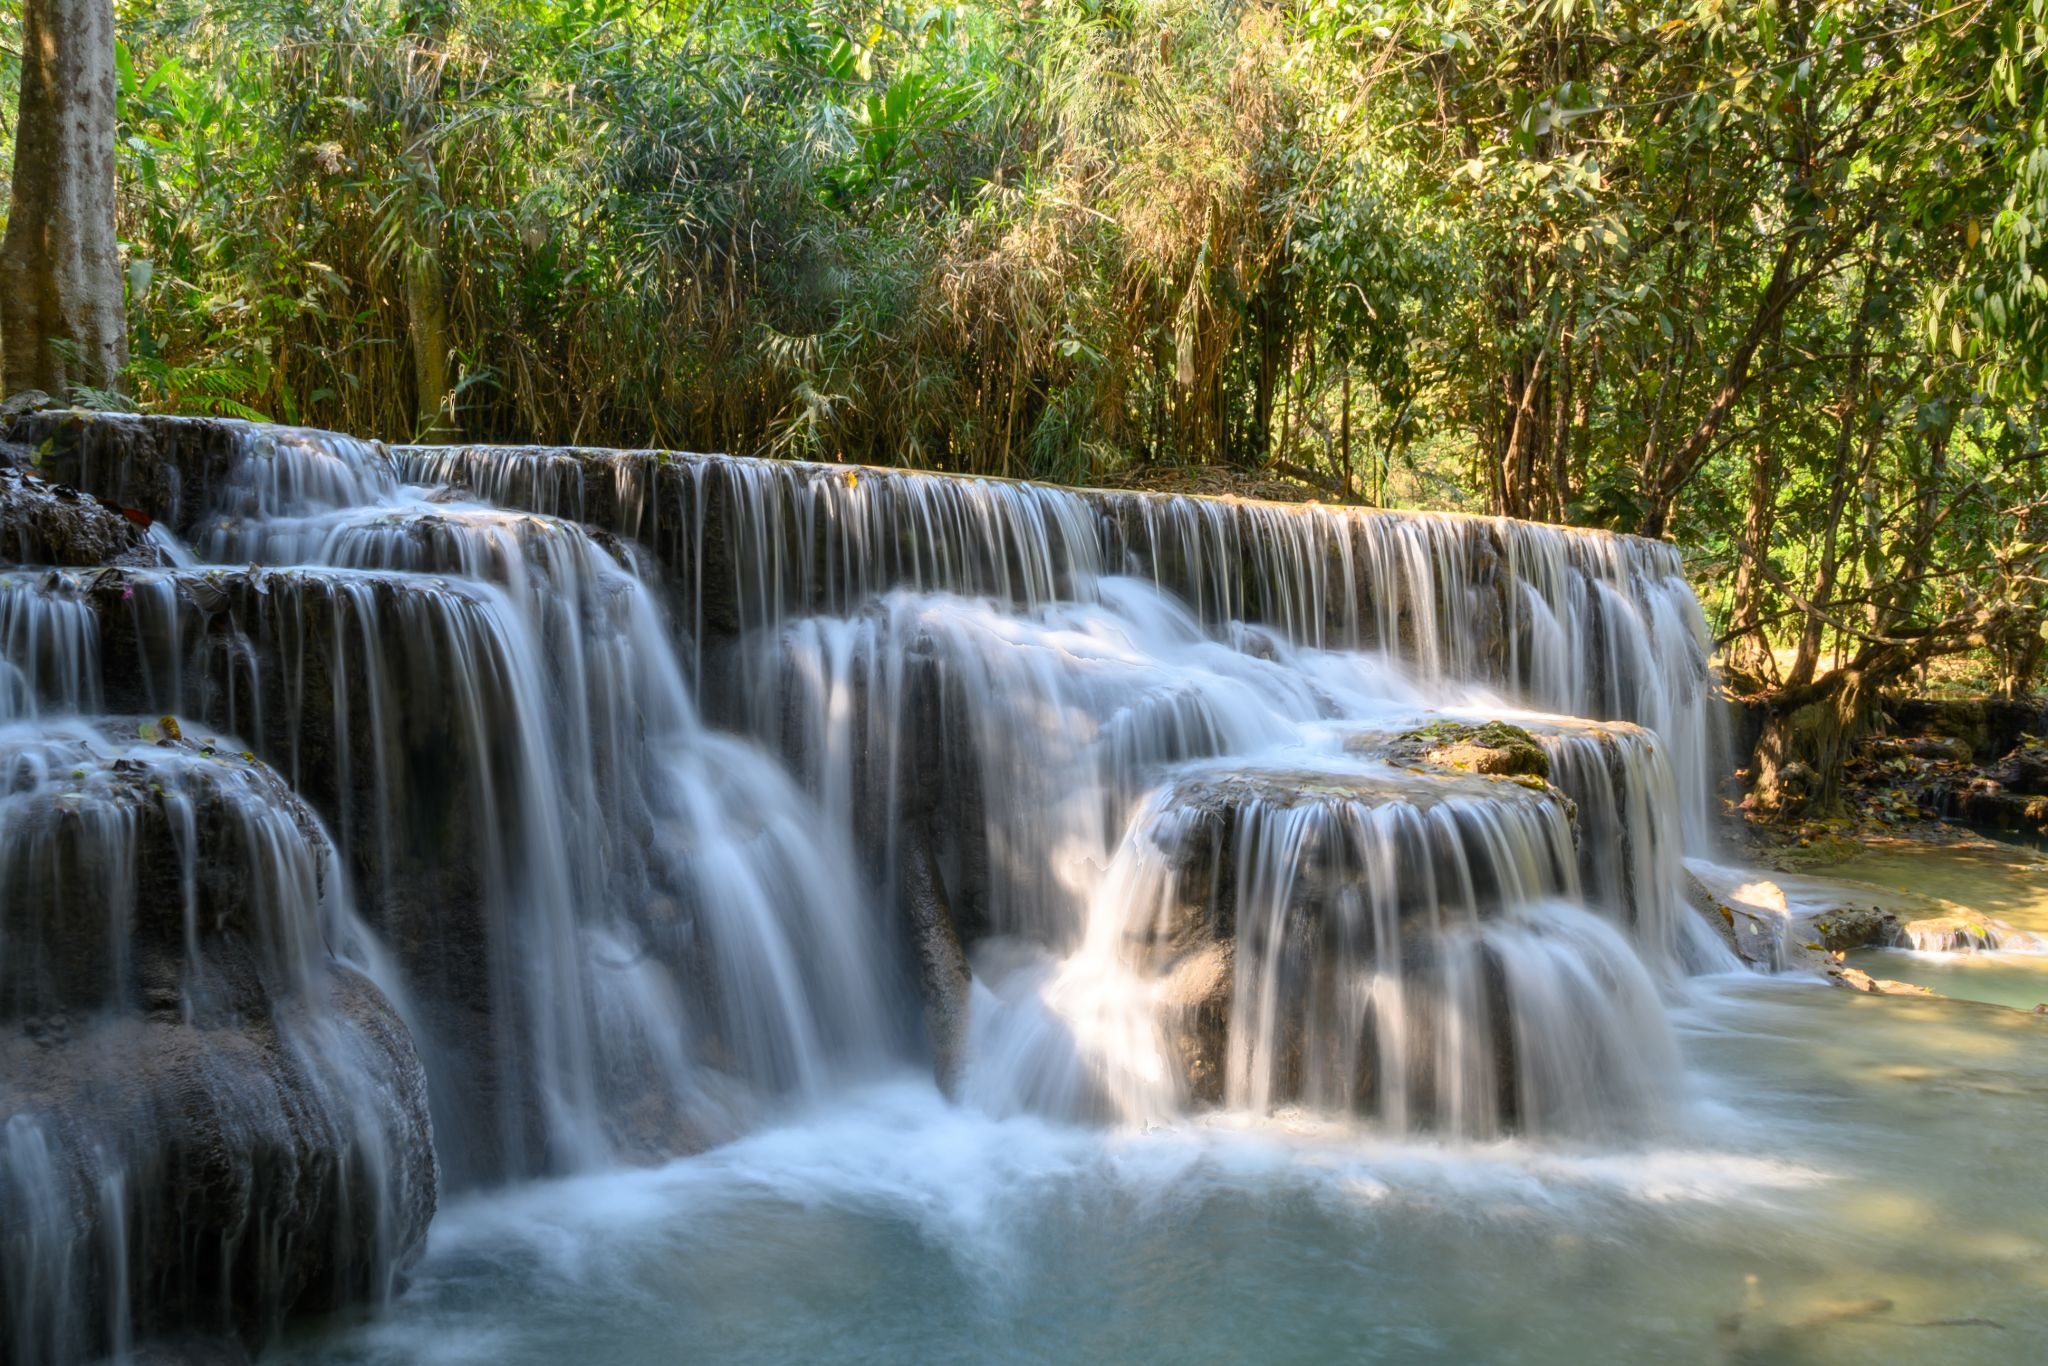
x: 1769, y: 280
x: 422, y: 57
x: 63, y: 323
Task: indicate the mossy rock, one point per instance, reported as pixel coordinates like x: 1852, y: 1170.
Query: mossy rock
x: 1855, y: 927
x: 1494, y: 748
x: 1961, y: 931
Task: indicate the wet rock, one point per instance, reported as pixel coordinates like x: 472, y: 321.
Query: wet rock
x: 1978, y: 761
x: 1194, y: 998
x: 158, y: 878
x: 1858, y: 980
x: 1756, y: 939
x: 1985, y: 726
x: 1494, y: 748
x: 1855, y: 927
x: 1756, y: 920
x: 166, y: 467
x: 309, y: 666
x: 46, y: 523
x: 204, y: 1118
x: 941, y: 962
x: 215, y: 1180
x: 751, y: 542
x: 189, y: 1350
x: 1983, y: 801
x: 1961, y: 931
x: 2025, y: 769
x: 1437, y: 832
x: 1316, y: 878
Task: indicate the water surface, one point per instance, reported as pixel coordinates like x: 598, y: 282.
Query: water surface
x: 1856, y: 1180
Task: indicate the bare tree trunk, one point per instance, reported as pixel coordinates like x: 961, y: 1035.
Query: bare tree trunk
x: 1565, y: 382
x: 62, y: 319
x: 1857, y: 406
x: 1749, y: 652
x: 426, y: 287
x: 427, y: 319
x: 1749, y: 649
x: 1344, y: 431
x: 1903, y: 598
x: 1802, y: 752
x: 1269, y: 321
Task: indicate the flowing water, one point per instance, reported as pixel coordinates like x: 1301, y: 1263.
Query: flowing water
x: 1857, y: 1184
x: 1026, y: 908
x: 2007, y: 882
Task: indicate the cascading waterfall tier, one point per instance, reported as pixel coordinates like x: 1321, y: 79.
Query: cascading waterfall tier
x: 1364, y: 939
x: 551, y: 852
x: 208, y: 1118
x: 666, y: 790
x: 1626, y: 811
x: 1569, y: 621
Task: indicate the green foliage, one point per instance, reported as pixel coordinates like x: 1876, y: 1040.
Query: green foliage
x: 1772, y: 279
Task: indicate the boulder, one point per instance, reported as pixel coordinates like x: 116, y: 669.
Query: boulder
x: 1982, y: 800
x: 207, y: 1120
x: 1351, y: 873
x: 2025, y: 769
x: 941, y: 964
x: 46, y: 523
x: 24, y: 403
x: 214, y: 1180
x: 1855, y: 927
x: 1494, y: 748
x: 1771, y: 931
x: 1960, y: 931
x: 1858, y: 980
x: 1756, y: 937
x: 1423, y: 838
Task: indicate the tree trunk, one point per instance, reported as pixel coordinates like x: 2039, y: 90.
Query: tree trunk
x: 62, y: 319
x: 1525, y: 423
x: 1801, y: 755
x: 1558, y: 497
x: 426, y: 288
x: 1671, y: 474
x: 1344, y: 432
x: 1855, y: 402
x: 1902, y: 600
x: 1749, y: 650
x: 1749, y: 647
x: 1269, y: 328
x: 426, y: 309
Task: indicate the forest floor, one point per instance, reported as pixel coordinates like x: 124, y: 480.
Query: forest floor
x: 1937, y: 783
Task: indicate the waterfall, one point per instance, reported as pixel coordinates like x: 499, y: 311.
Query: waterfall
x: 156, y: 898
x: 1569, y: 621
x: 652, y: 795
x: 49, y: 653
x: 559, y: 810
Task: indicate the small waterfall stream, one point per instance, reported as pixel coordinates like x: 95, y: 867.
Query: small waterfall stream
x: 649, y: 798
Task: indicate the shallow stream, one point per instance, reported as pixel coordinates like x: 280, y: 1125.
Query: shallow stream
x: 1856, y: 1179
x: 2007, y: 882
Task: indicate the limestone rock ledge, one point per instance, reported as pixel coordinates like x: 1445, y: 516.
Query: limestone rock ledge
x: 209, y: 1123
